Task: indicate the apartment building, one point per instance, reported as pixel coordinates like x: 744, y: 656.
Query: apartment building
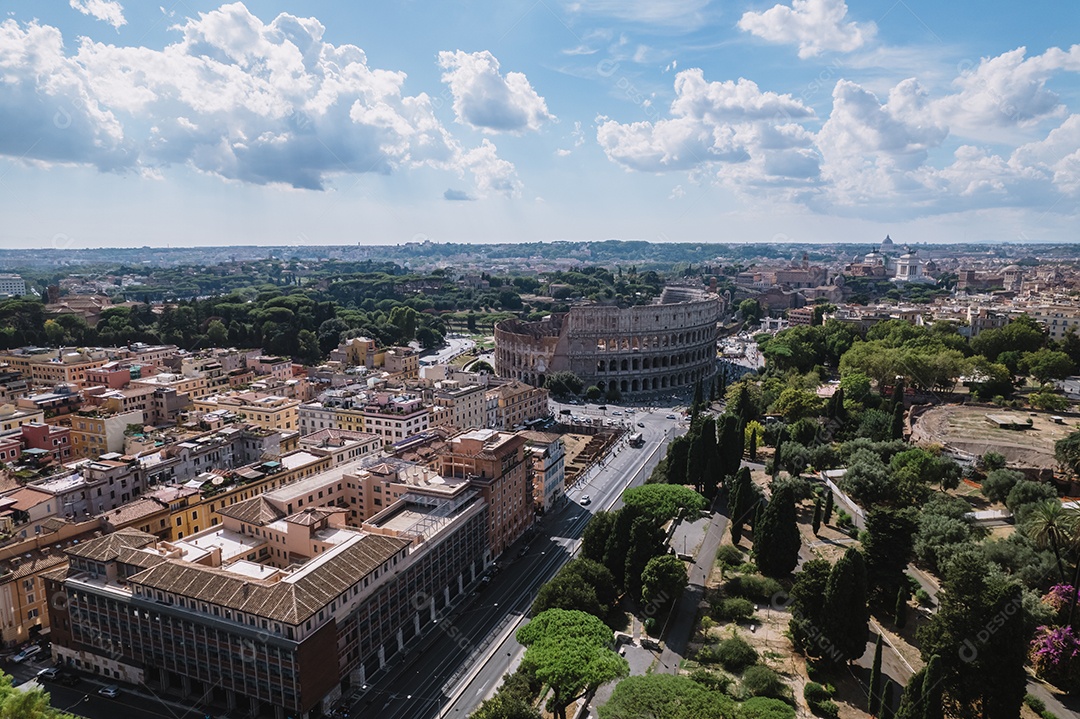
x: 46, y: 439
x: 12, y: 285
x: 547, y: 457
x: 402, y: 362
x: 342, y: 445
x: 395, y: 418
x: 516, y: 403
x: 13, y: 417
x: 494, y: 462
x: 459, y: 406
x: 267, y: 411
x: 272, y: 613
x: 12, y: 386
x: 52, y: 367
x: 195, y: 386
x: 100, y: 431
x: 313, y: 416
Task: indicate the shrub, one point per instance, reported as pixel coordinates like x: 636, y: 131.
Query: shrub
x: 715, y: 681
x: 923, y: 597
x: 754, y: 587
x: 826, y: 709
x: 1037, y: 705
x: 735, y: 609
x: 766, y: 708
x: 708, y: 654
x: 760, y: 681
x: 814, y: 692
x: 735, y: 654
x: 730, y: 555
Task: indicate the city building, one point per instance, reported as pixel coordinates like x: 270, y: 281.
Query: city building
x: 267, y: 411
x: 494, y: 462
x: 271, y: 613
x: 459, y: 406
x: 13, y: 417
x: 395, y: 417
x: 12, y: 285
x: 516, y: 404
x: 100, y: 431
x: 547, y: 455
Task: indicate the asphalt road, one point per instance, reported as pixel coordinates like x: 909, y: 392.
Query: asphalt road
x: 454, y: 667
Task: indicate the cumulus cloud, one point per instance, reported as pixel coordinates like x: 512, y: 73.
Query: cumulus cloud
x: 457, y: 196
x: 108, y: 11
x: 487, y: 100
x: 710, y: 123
x: 234, y: 97
x: 1006, y: 91
x: 815, y: 26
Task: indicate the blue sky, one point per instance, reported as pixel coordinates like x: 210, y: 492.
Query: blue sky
x: 193, y: 123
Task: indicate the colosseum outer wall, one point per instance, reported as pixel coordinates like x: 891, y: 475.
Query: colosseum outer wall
x: 643, y: 350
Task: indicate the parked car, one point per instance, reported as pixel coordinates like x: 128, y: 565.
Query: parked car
x: 671, y: 416
x: 48, y: 673
x: 112, y: 691
x: 26, y: 653
x: 70, y: 680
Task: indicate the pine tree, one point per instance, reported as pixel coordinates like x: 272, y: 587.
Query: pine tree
x: 847, y: 618
x: 874, y: 705
x: 828, y: 507
x: 816, y: 523
x: 777, y: 540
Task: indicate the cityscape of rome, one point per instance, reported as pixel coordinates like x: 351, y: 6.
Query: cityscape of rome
x: 571, y: 359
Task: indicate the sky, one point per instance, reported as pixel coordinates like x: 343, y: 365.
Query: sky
x: 284, y: 123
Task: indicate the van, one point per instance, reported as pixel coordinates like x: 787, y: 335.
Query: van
x: 26, y: 653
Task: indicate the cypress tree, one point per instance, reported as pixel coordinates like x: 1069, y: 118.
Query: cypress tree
x: 874, y: 705
x: 911, y: 701
x: 776, y: 453
x: 847, y: 619
x: 729, y: 445
x: 888, y: 699
x: 695, y: 405
x: 932, y: 689
x: 758, y: 511
x: 816, y: 524
x: 741, y: 503
x: 753, y: 445
x: 898, y: 393
x: 900, y: 615
x: 828, y: 507
x: 777, y: 541
x: 897, y: 427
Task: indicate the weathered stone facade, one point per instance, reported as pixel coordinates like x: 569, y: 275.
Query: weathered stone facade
x: 644, y: 350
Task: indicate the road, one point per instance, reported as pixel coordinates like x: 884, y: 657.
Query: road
x: 454, y: 346
x: 454, y: 667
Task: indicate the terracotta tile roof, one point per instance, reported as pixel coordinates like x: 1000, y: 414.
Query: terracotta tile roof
x: 107, y: 548
x: 291, y: 602
x: 253, y: 511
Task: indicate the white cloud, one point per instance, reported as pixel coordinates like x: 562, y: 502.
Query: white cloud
x: 563, y: 152
x: 711, y: 122
x: 815, y: 26
x: 108, y: 11
x: 256, y: 102
x: 1006, y: 91
x: 681, y: 14
x: 488, y: 101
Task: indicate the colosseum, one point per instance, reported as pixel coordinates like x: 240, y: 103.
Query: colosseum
x: 643, y: 350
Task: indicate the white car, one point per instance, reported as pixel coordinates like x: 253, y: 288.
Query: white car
x: 616, y: 413
x: 112, y: 691
x: 48, y: 673
x: 26, y: 653
x: 671, y: 416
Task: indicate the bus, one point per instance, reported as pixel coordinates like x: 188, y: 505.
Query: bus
x: 636, y: 440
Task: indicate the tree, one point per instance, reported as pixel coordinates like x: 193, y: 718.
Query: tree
x: 828, y: 507
x: 752, y: 435
x: 1067, y: 452
x: 777, y: 540
x: 900, y: 612
x: 874, y: 704
x: 569, y: 652
x: 661, y: 502
x: 999, y: 483
x: 701, y: 460
x: 1025, y: 495
x: 897, y: 426
x: 794, y: 404
x: 911, y: 701
x: 593, y: 393
x: 794, y: 458
x: 594, y: 539
x: 678, y: 454
x: 729, y: 445
x: 646, y: 542
x: 502, y: 706
x: 807, y: 608
x: 1050, y: 525
x: 743, y: 500
x: 888, y: 699
x: 815, y: 524
x: 663, y: 580
x: 217, y: 334
x: 847, y: 618
x: 666, y: 696
x: 566, y: 591
x: 1046, y: 365
x: 889, y: 544
x: 564, y: 383
x: 776, y: 453
x: 751, y: 311
x: 982, y: 670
